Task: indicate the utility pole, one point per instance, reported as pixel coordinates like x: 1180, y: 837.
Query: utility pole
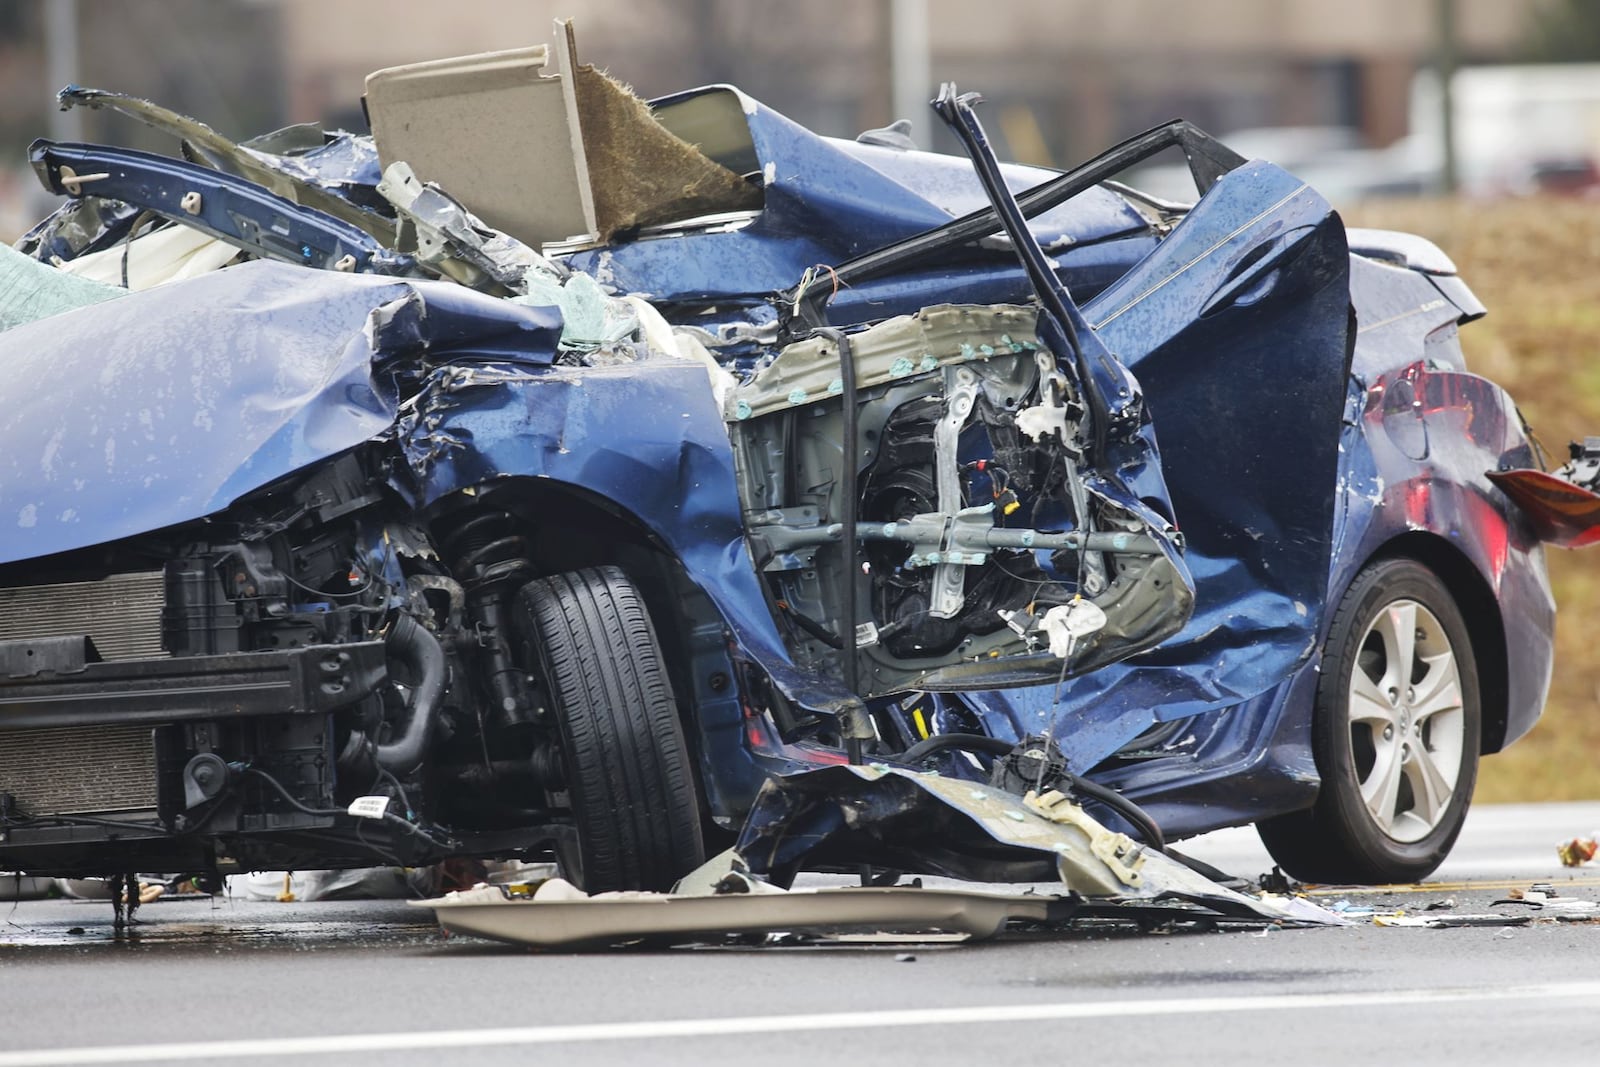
x: 61, y: 64
x: 1446, y: 57
x: 911, y: 66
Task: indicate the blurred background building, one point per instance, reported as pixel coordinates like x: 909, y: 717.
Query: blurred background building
x: 1064, y: 77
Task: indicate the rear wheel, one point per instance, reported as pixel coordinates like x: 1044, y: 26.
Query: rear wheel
x: 627, y: 766
x: 1396, y: 735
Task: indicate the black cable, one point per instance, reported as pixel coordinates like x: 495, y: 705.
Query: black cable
x: 388, y: 817
x: 1133, y: 813
x: 811, y: 626
x: 848, y: 507
x: 405, y: 798
x: 289, y: 798
x: 968, y: 742
x: 127, y: 242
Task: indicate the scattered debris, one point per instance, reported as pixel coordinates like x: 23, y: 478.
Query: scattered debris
x: 1276, y: 881
x: 1577, y: 852
x: 838, y: 815
x: 1352, y: 911
x: 1565, y: 508
x: 1439, y: 922
x: 1544, y: 899
x: 1302, y: 909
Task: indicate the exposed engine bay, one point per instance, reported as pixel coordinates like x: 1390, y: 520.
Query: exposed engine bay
x: 308, y: 648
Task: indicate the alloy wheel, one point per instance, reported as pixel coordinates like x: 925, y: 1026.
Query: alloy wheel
x: 1407, y: 720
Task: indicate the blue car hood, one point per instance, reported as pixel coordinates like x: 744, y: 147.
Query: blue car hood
x: 169, y: 404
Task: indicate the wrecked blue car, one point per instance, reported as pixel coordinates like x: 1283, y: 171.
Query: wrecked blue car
x: 358, y: 505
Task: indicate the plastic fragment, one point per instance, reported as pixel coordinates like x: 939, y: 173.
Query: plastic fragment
x: 1301, y: 909
x: 1352, y: 911
x: 1577, y: 852
x: 1442, y: 922
x: 1064, y: 624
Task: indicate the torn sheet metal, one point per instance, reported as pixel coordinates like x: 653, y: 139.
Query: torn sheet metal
x: 290, y: 179
x: 611, y: 431
x: 898, y: 818
x: 1237, y: 317
x: 944, y: 335
x: 885, y: 813
x: 452, y: 240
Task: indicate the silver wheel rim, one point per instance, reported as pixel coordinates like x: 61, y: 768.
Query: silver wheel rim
x: 1407, y: 723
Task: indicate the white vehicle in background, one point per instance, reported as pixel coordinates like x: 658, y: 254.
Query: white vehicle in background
x: 1518, y: 129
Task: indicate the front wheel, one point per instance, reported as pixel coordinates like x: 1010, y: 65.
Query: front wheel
x: 627, y: 766
x: 1395, y: 732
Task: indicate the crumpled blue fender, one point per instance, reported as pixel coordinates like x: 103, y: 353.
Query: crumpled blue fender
x: 648, y: 437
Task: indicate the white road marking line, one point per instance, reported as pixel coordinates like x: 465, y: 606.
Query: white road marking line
x: 336, y: 1044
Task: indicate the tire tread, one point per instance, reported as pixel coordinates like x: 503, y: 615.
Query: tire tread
x: 628, y: 769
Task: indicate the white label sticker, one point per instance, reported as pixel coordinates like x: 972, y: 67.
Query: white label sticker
x: 369, y: 807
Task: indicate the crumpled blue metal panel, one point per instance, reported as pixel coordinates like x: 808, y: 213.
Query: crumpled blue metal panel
x: 346, y: 165
x: 828, y: 200
x: 646, y: 436
x: 167, y: 405
x: 1242, y: 356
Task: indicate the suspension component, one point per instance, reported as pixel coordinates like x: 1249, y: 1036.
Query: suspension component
x: 490, y: 558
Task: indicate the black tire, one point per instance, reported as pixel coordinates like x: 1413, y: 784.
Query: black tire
x: 1405, y: 744
x: 627, y: 767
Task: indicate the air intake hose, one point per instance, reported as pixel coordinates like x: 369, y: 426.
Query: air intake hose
x: 414, y: 645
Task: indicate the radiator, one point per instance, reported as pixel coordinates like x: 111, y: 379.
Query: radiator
x: 74, y: 769
x: 121, y: 613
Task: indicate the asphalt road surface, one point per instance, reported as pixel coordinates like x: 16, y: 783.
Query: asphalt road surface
x: 374, y: 982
